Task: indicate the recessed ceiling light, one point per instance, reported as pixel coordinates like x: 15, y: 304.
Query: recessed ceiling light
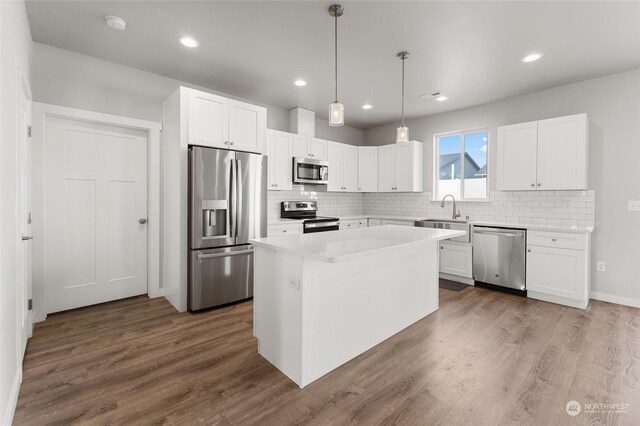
x: 367, y: 106
x: 189, y: 42
x: 441, y: 98
x: 532, y: 57
x: 116, y: 22
x: 300, y: 83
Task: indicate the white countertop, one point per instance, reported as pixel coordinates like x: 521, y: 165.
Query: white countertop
x: 344, y: 245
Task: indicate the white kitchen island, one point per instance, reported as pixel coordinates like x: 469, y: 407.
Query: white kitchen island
x: 322, y: 299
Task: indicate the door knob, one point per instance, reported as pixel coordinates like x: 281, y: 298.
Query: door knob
x: 142, y: 221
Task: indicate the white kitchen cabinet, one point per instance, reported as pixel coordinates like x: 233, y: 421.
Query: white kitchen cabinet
x: 517, y: 157
x: 558, y: 274
x: 208, y: 119
x: 309, y: 147
x: 363, y: 223
x: 218, y: 122
x: 247, y: 126
x: 374, y: 222
x: 456, y: 259
x: 349, y: 224
x: 563, y: 153
x: 278, y: 148
x: 318, y: 149
x: 544, y: 155
x: 400, y: 167
x: 343, y: 167
x: 285, y: 228
x: 367, y: 169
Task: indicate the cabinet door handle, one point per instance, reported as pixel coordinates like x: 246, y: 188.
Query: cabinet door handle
x: 529, y: 250
x: 554, y: 240
x: 533, y: 184
x: 539, y: 184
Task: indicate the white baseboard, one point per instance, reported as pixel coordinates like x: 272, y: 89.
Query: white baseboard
x: 626, y: 301
x: 10, y: 409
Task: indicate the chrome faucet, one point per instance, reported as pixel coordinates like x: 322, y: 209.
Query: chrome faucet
x: 456, y: 213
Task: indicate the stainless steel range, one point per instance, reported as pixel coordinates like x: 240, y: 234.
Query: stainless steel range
x: 307, y: 212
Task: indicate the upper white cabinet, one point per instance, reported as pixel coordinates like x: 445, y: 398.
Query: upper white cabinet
x: 343, y: 167
x: 563, y: 152
x: 247, y: 126
x: 308, y: 147
x: 400, y: 167
x: 279, y: 149
x: 367, y: 169
x: 517, y: 156
x: 219, y: 122
x: 208, y: 119
x: 544, y: 155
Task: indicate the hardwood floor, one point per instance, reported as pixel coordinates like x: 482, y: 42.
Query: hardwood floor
x: 484, y: 358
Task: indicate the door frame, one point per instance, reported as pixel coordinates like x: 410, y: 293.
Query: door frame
x: 40, y: 113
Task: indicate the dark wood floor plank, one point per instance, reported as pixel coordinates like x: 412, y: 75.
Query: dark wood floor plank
x: 484, y: 358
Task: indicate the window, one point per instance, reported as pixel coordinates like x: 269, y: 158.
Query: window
x: 461, y: 165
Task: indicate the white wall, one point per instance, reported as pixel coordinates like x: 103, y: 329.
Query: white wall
x: 15, y: 52
x: 71, y: 79
x: 613, y: 106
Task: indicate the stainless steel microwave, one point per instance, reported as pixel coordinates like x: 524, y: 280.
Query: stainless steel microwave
x: 310, y: 172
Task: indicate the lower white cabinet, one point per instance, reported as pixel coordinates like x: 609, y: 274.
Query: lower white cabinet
x: 349, y: 224
x: 285, y: 228
x: 363, y: 223
x: 373, y: 222
x: 456, y: 259
x: 558, y: 274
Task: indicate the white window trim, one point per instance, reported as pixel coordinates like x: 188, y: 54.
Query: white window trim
x: 436, y: 169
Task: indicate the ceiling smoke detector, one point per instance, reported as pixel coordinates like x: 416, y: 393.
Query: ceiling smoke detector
x: 116, y: 22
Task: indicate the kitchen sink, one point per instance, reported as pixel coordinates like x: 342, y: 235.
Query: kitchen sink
x: 458, y: 225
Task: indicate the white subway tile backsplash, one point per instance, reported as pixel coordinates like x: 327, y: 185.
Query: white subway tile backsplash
x: 555, y: 208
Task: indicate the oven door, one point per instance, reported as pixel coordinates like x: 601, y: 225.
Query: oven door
x: 310, y: 228
x: 307, y: 171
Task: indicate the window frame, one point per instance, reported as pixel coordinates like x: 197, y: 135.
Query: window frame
x: 436, y: 161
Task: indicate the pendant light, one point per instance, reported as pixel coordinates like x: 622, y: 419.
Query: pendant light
x: 402, y: 133
x: 336, y: 109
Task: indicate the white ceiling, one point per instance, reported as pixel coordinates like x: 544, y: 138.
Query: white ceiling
x: 470, y: 51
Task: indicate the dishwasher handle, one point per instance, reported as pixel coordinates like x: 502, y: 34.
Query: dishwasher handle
x: 500, y: 234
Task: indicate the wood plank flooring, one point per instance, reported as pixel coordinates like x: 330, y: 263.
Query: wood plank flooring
x: 484, y: 358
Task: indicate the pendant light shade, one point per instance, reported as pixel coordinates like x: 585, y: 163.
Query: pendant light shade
x: 336, y: 114
x: 336, y: 109
x: 402, y: 133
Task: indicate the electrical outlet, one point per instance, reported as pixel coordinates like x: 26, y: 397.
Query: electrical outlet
x: 601, y: 266
x: 634, y: 205
x: 294, y: 283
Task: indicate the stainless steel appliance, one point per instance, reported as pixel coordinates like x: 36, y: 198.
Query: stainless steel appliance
x: 499, y: 256
x: 458, y: 225
x: 227, y: 207
x: 307, y: 171
x: 307, y: 212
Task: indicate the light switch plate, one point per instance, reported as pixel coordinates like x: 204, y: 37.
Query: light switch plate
x: 294, y: 283
x: 601, y: 266
x: 634, y: 205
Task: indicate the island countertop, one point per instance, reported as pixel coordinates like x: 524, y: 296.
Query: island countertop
x: 344, y: 245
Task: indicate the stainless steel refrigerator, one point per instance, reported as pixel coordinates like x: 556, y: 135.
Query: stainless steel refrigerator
x: 227, y: 207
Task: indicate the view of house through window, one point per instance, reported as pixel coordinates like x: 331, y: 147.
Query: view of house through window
x: 461, y: 169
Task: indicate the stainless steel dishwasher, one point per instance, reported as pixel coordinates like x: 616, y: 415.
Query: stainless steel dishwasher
x: 499, y: 256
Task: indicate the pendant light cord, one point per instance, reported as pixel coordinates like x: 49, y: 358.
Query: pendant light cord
x: 403, y: 58
x: 336, y: 52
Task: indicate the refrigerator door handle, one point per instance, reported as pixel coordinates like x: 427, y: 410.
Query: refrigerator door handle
x: 238, y: 206
x: 233, y: 214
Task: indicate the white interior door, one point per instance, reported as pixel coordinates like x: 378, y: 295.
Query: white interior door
x: 25, y: 249
x: 95, y: 213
